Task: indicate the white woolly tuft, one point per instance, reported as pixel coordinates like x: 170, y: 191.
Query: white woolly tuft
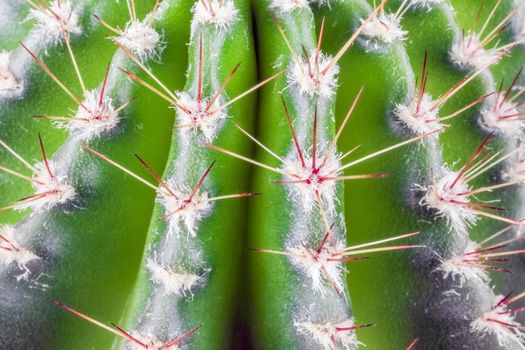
x: 385, y: 28
x: 196, y: 118
x: 183, y: 212
x: 467, y: 53
x: 12, y: 252
x: 92, y: 118
x: 445, y: 200
x: 422, y: 120
x: 504, y: 117
x: 287, y: 6
x: 316, y: 179
x: 309, y: 80
x: 220, y: 13
x: 140, y: 38
x: 516, y: 168
x: 324, y: 272
x: 488, y: 325
x: 426, y: 4
x: 457, y: 268
x: 50, y: 22
x: 329, y: 335
x: 9, y: 84
x: 50, y: 191
x: 180, y: 283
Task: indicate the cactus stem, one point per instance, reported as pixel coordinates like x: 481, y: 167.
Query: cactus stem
x: 151, y: 344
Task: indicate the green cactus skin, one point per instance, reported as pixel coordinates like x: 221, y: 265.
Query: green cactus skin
x: 209, y: 249
x: 376, y: 211
x: 503, y: 73
x: 110, y: 244
x: 361, y: 208
x: 301, y: 320
x: 92, y: 245
x: 273, y: 217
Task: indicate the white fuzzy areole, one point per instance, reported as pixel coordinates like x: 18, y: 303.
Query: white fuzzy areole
x: 504, y: 117
x: 322, y: 268
x: 287, y: 6
x: 385, y: 28
x: 195, y: 118
x: 456, y: 268
x: 515, y: 169
x: 426, y: 4
x: 56, y: 188
x: 309, y: 79
x: 330, y: 335
x: 93, y: 118
x: 422, y: 120
x: 445, y: 200
x: 140, y: 38
x: 467, y: 53
x: 507, y: 336
x: 9, y: 84
x: 184, y: 213
x: 61, y: 16
x: 220, y: 13
x: 316, y: 179
x: 180, y: 283
x: 12, y: 252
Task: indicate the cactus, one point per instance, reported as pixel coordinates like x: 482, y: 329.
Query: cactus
x: 338, y: 173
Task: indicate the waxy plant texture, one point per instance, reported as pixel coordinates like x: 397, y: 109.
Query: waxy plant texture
x: 262, y: 174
